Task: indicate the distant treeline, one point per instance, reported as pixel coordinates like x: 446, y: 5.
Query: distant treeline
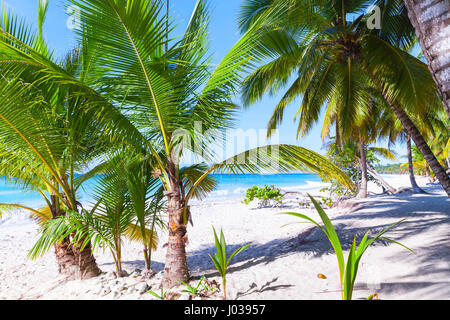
x: 390, y: 168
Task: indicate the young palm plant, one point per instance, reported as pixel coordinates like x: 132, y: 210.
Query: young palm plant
x: 347, y: 270
x: 334, y: 57
x: 120, y: 211
x: 221, y: 260
x: 105, y: 224
x: 146, y: 202
x: 168, y: 93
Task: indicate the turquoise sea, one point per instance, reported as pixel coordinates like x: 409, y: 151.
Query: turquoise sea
x: 229, y: 186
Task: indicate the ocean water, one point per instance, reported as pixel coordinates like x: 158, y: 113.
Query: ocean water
x: 229, y: 187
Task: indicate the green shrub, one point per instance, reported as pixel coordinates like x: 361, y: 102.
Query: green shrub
x: 265, y: 195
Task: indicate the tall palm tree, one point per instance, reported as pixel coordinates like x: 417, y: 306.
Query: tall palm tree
x: 370, y: 123
x: 430, y: 20
x: 126, y: 76
x: 166, y: 93
x: 334, y: 56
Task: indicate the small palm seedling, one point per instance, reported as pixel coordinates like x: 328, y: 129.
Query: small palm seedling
x: 160, y: 296
x: 220, y: 258
x: 347, y: 271
x: 193, y: 290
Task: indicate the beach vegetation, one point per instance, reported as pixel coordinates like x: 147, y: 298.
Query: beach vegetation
x: 129, y: 82
x: 121, y: 209
x: 391, y: 168
x: 348, y: 159
x: 195, y: 290
x: 347, y: 269
x: 170, y: 92
x: 265, y: 195
x: 221, y: 260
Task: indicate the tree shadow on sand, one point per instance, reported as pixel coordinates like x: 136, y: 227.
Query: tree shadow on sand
x: 268, y: 286
x: 415, y: 208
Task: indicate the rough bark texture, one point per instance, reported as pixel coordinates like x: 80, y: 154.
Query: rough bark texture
x: 87, y: 266
x: 431, y: 20
x: 66, y: 260
x: 65, y: 257
x: 176, y: 268
x: 75, y: 264
x: 363, y: 163
x: 414, y: 186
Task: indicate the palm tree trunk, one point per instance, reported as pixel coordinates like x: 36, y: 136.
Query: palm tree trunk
x: 147, y: 259
x: 422, y: 145
x: 431, y: 20
x: 378, y: 177
x: 66, y: 260
x: 337, y: 147
x: 75, y: 264
x: 363, y: 164
x: 65, y: 257
x: 72, y: 262
x: 175, y: 269
x: 414, y: 186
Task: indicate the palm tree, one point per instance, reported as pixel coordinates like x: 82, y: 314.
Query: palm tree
x: 46, y: 136
x: 127, y: 201
x: 415, y: 187
x: 146, y: 202
x: 430, y: 20
x: 166, y: 93
x: 336, y: 57
x: 53, y: 125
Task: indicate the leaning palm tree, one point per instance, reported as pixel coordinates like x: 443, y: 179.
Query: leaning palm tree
x: 430, y: 20
x: 334, y: 55
x: 173, y: 97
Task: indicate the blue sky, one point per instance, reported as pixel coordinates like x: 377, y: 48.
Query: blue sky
x: 223, y: 34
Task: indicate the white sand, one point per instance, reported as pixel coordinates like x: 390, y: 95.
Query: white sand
x: 282, y: 263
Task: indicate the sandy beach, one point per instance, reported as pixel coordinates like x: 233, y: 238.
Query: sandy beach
x: 282, y: 262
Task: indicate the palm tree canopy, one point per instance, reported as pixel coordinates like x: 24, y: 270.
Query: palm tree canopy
x: 326, y: 53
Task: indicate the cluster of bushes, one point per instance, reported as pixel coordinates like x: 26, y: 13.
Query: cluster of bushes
x: 266, y: 195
